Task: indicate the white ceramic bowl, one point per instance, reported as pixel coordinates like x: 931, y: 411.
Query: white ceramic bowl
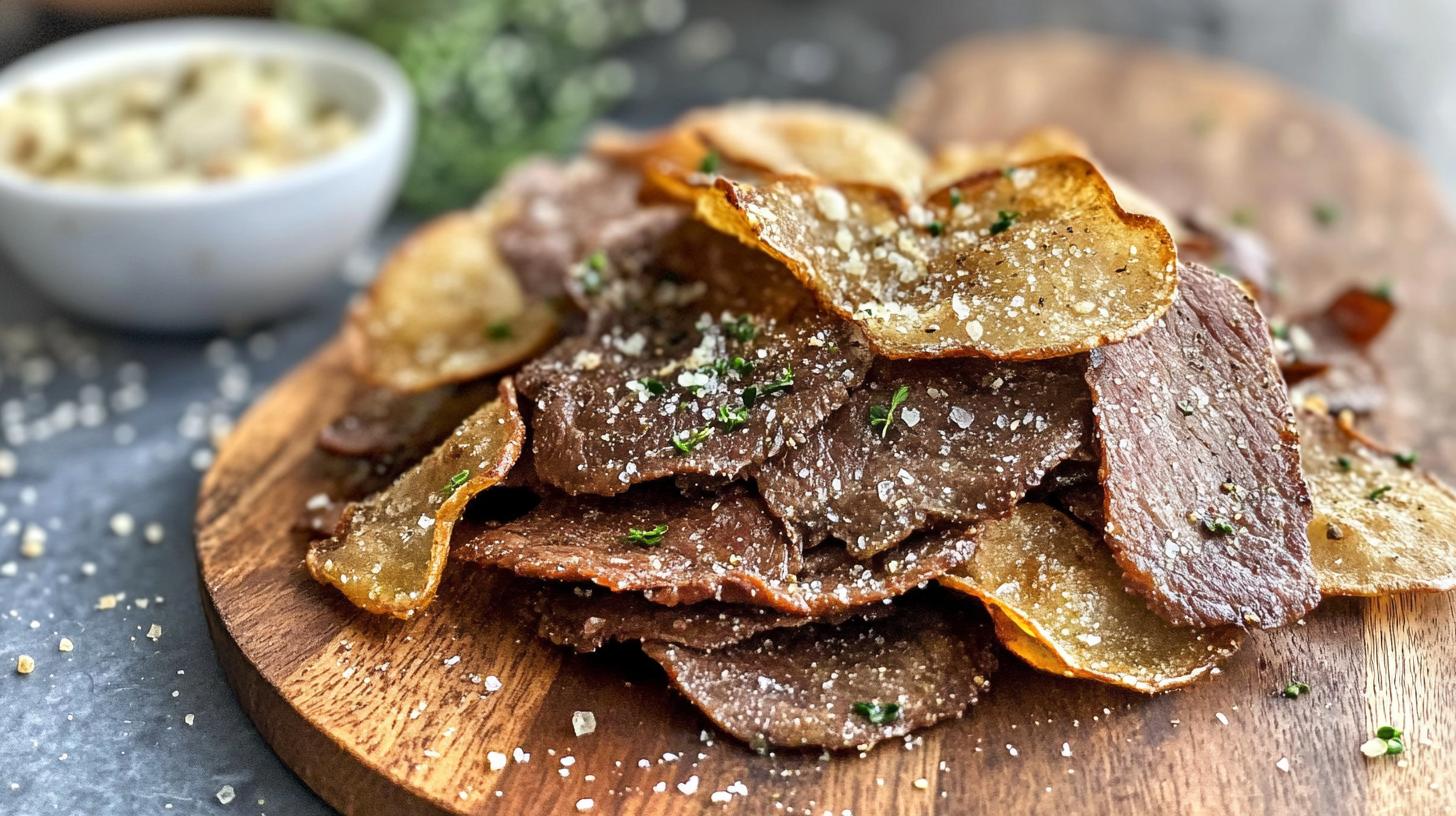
x: 229, y: 253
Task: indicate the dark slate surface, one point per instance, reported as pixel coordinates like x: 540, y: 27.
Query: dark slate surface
x: 101, y: 729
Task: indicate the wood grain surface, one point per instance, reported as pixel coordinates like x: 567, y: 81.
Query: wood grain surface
x: 379, y: 717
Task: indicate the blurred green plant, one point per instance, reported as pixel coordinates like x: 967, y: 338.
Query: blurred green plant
x: 497, y: 80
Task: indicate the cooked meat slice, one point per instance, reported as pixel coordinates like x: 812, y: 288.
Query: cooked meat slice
x: 565, y: 213
x: 724, y: 547
x: 1324, y: 354
x: 965, y: 442
x: 388, y: 425
x: 676, y: 392
x: 653, y: 539
x: 840, y: 686
x: 1206, y: 507
x: 584, y: 618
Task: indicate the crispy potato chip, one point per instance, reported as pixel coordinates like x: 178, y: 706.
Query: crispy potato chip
x: 388, y: 553
x: 1035, y: 262
x: 446, y: 308
x: 954, y: 161
x: 1380, y: 526
x: 1057, y: 597
x: 748, y: 139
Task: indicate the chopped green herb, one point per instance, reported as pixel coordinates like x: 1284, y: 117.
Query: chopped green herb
x: 709, y: 165
x: 955, y: 197
x: 686, y: 441
x: 591, y: 277
x: 1007, y: 171
x: 645, y: 538
x: 499, y: 330
x: 1294, y: 689
x: 1325, y: 213
x: 597, y: 261
x: 1004, y: 220
x: 1406, y: 459
x: 1389, y: 732
x: 455, y: 482
x: 1219, y: 525
x: 878, y: 713
x: 654, y: 387
x: 1385, y: 290
x: 741, y: 329
x: 1344, y: 463
x: 1279, y: 329
x: 1379, y: 493
x: 741, y: 367
x: 718, y: 367
x: 935, y: 228
x: 750, y: 396
x: 1394, y: 746
x: 882, y: 417
x: 783, y: 383
x: 731, y: 418
x: 1186, y: 408
x: 1242, y: 217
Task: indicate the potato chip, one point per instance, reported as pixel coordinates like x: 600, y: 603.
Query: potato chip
x: 1381, y: 525
x: 1037, y: 261
x: 445, y: 308
x: 389, y: 552
x: 1056, y: 595
x: 954, y: 161
x: 748, y: 139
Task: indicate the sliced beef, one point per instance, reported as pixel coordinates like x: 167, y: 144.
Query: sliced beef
x: 723, y: 547
x: 659, y: 394
x: 585, y: 618
x: 1206, y: 507
x: 387, y: 425
x: 567, y: 212
x: 967, y: 442
x: 804, y: 686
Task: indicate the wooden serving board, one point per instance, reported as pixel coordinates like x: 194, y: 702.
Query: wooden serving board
x: 379, y: 717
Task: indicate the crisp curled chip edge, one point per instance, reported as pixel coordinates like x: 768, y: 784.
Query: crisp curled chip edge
x: 445, y: 307
x: 1380, y: 527
x: 402, y: 535
x: 1080, y: 576
x: 1002, y: 264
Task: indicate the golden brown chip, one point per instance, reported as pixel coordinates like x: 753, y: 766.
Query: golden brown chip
x: 388, y: 553
x: 1380, y: 526
x: 747, y: 139
x: 446, y: 308
x: 1056, y: 595
x: 1037, y: 261
x: 954, y: 161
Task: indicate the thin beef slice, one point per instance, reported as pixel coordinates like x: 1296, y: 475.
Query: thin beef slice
x: 801, y: 687
x: 969, y: 439
x: 1206, y: 508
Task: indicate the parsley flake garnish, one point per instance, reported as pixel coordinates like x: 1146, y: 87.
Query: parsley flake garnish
x: 686, y: 441
x: 591, y: 277
x: 1294, y: 689
x: 455, y: 482
x: 783, y: 383
x: 1406, y: 459
x: 935, y: 228
x: 1004, y: 220
x: 955, y: 197
x: 741, y: 367
x: 709, y: 165
x: 878, y: 713
x: 645, y: 538
x: 1325, y: 213
x: 750, y: 396
x: 882, y: 417
x: 1219, y: 525
x: 1385, y: 290
x: 654, y: 387
x: 499, y: 330
x: 741, y: 329
x: 731, y: 418
x: 1344, y: 463
x: 1379, y: 493
x: 1186, y: 408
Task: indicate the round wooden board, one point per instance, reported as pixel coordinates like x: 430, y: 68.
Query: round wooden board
x: 386, y: 717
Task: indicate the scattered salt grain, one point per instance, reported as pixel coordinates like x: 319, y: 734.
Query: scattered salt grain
x: 1221, y: 718
x: 496, y: 759
x: 583, y: 805
x: 88, y: 568
x: 190, y: 719
x: 1066, y: 749
x: 25, y: 664
x: 227, y: 794
x: 721, y: 797
x: 122, y: 525
x: 153, y: 533
x: 492, y: 683
x: 9, y: 463
x: 1283, y: 764
x: 154, y: 632
x: 32, y: 543
x: 521, y: 757
x: 583, y: 722
x: 921, y: 784
x: 66, y: 645
x: 9, y: 569
x: 689, y: 787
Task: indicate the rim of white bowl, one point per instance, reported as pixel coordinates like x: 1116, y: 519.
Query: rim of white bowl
x: 127, y: 45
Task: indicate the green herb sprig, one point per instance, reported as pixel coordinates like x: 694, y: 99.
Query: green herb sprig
x: 455, y: 483
x: 687, y: 441
x: 1004, y: 220
x: 645, y: 538
x: 882, y: 417
x: 878, y: 713
x: 731, y: 418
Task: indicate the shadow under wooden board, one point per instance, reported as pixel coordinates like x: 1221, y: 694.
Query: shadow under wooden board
x: 387, y: 717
